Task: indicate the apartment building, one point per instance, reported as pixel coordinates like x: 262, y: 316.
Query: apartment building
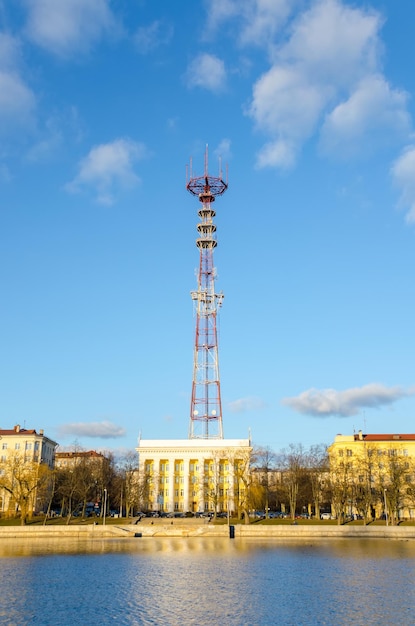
x: 22, y: 451
x: 373, y: 475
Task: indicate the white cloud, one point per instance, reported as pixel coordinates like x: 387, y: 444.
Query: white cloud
x: 206, y: 71
x: 67, y: 27
x: 403, y: 173
x: 17, y: 101
x: 101, y: 430
x: 9, y: 51
x: 373, y: 105
x: 108, y: 168
x: 328, y: 69
x: 223, y: 151
x: 242, y: 405
x: 327, y: 402
x: 259, y: 20
x: 148, y: 38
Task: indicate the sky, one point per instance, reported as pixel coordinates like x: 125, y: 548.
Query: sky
x: 103, y: 104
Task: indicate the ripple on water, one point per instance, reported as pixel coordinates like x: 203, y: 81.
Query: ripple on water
x: 206, y: 581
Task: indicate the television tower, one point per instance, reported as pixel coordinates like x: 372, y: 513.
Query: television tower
x: 206, y: 405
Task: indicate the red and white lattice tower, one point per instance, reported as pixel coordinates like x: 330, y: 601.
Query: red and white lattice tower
x: 206, y: 405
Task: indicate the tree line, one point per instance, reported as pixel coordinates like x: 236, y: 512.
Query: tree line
x: 294, y: 481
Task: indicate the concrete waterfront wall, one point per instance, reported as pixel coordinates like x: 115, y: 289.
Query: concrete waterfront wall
x: 316, y: 532
x: 74, y: 530
x: 208, y: 530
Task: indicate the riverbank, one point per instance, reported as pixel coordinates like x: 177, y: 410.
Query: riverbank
x: 186, y: 528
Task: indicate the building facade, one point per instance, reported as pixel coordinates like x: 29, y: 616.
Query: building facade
x: 373, y: 476
x: 22, y: 453
x: 70, y: 459
x: 194, y: 475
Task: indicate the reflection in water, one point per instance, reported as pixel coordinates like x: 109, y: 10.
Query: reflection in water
x: 174, y: 581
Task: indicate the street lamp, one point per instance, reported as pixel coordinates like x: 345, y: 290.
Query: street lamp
x: 386, y: 508
x: 105, y: 505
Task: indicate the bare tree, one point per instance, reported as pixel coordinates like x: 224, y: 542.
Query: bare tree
x: 263, y: 463
x: 213, y: 486
x: 129, y: 484
x: 23, y: 479
x: 293, y: 465
x: 393, y: 472
x: 341, y: 480
x: 243, y: 484
x: 363, y: 482
x: 317, y: 468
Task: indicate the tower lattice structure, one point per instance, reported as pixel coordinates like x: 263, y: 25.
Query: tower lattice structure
x: 206, y: 405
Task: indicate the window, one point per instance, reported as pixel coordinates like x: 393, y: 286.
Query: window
x: 17, y: 446
x: 182, y: 480
x: 176, y: 493
x: 340, y: 452
x: 3, y: 458
x: 176, y: 467
x: 4, y: 446
x: 176, y: 506
x: 349, y: 452
x: 181, y: 493
x: 192, y: 467
x: 176, y: 479
x: 28, y: 446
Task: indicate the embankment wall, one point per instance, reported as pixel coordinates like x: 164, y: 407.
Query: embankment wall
x: 210, y: 530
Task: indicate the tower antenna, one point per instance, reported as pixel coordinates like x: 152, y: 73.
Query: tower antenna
x: 206, y: 404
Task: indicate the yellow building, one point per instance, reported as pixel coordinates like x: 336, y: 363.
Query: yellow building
x: 373, y: 475
x: 22, y: 452
x: 194, y: 475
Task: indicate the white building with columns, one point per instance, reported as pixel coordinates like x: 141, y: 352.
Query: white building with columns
x: 194, y: 475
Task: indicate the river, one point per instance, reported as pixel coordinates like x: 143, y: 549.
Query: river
x: 206, y: 581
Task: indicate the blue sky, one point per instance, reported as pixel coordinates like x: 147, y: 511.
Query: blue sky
x: 311, y: 104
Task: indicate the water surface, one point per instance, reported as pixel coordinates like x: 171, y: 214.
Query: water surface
x: 204, y: 581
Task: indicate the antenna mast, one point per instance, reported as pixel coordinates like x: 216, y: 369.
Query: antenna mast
x: 206, y: 405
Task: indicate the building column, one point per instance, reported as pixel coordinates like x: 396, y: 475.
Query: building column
x: 201, y: 494
x: 155, y: 483
x: 185, y: 485
x: 171, y: 485
x: 231, y: 487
